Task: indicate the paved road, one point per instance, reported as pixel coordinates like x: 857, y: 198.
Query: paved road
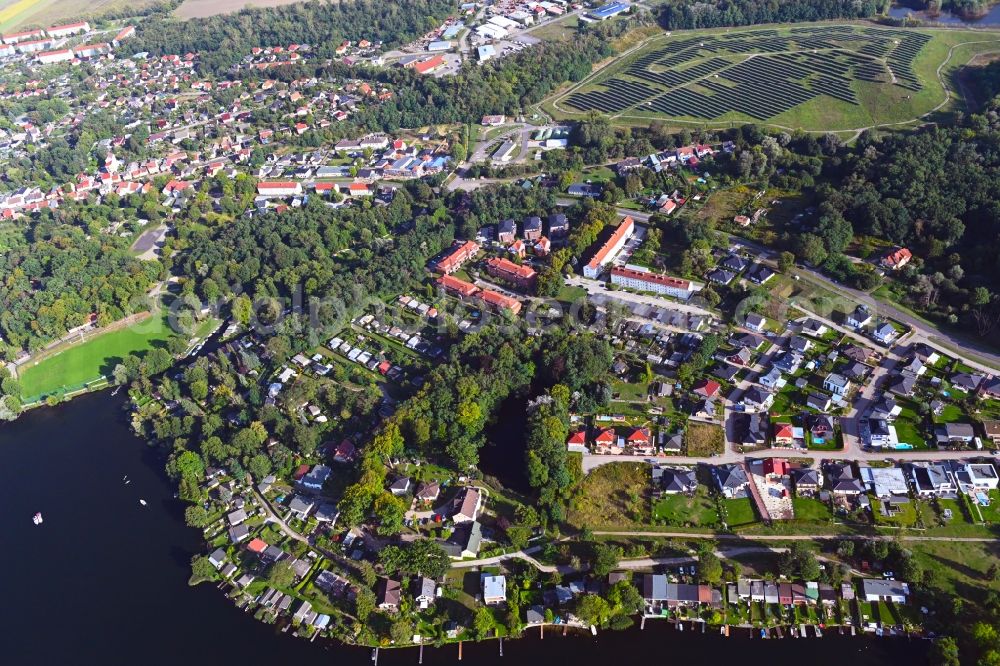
x: 591, y: 462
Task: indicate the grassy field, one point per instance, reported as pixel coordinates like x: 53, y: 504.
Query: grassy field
x: 799, y: 76
x: 91, y: 360
x: 702, y: 439
x: 612, y: 496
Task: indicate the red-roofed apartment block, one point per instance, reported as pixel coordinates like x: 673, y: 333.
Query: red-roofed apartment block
x: 522, y: 276
x: 460, y: 253
x: 610, y: 249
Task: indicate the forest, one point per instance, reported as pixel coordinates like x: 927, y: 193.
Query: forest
x: 58, y: 275
x: 936, y: 192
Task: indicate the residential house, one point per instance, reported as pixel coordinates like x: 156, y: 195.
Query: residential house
x: 885, y: 333
x: 837, y: 384
x: 507, y: 231
x: 807, y: 481
x: 818, y: 401
x: 991, y: 429
x: 466, y: 506
x: 316, y: 477
x: 772, y: 379
x: 952, y: 434
x: 966, y: 382
x: 932, y: 480
x: 424, y: 591
x: 860, y: 317
x: 428, y: 492
x: 800, y: 344
x: 896, y: 259
x: 388, y: 593
x: 756, y: 399
x: 400, y: 486
x: 902, y: 384
x: 706, y: 388
x: 732, y: 480
x: 814, y: 328
x: 751, y: 429
x: 759, y: 274
x: 881, y: 589
x: 301, y: 506
x: 842, y: 480
x: 606, y: 442
x: 494, y: 589
x: 885, y: 482
x: 754, y: 322
x: 973, y: 477
x: 674, y: 480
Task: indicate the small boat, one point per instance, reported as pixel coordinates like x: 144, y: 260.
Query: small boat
x: 593, y: 630
x: 142, y: 502
x: 128, y: 482
x: 37, y: 518
x: 125, y: 477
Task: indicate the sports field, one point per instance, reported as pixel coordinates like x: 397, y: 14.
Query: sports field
x: 85, y: 362
x: 816, y: 76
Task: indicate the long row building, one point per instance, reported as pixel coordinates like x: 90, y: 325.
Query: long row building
x: 607, y: 252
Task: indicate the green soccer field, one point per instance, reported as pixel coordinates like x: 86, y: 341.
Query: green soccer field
x: 83, y: 363
x: 817, y: 77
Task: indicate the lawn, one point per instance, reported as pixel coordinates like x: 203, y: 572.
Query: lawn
x: 681, y: 510
x: 83, y: 363
x: 739, y: 512
x: 612, y: 496
x: 808, y: 508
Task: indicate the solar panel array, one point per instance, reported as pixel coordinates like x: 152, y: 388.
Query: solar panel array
x: 759, y: 73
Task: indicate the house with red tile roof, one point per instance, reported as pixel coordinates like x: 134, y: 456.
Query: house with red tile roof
x: 706, y: 387
x: 897, y: 259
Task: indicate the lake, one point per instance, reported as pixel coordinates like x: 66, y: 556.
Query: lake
x: 990, y: 18
x: 104, y: 580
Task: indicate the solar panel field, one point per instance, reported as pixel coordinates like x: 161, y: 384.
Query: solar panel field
x: 815, y: 77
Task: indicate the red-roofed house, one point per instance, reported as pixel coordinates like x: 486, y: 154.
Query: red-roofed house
x: 577, y: 442
x: 257, y: 546
x: 606, y: 442
x: 897, y: 259
x: 707, y: 387
x: 640, y: 441
x: 784, y: 433
x: 301, y: 471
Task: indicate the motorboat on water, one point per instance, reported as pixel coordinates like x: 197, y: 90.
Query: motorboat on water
x: 37, y: 518
x: 142, y: 502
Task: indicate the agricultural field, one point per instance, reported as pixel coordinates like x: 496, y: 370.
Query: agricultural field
x: 814, y: 77
x: 16, y: 13
x: 204, y: 8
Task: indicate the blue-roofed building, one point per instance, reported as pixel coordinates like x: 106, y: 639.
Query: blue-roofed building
x: 452, y: 31
x: 439, y: 46
x: 609, y: 10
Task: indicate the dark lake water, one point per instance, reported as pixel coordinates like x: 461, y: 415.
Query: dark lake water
x: 104, y: 579
x: 990, y: 18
